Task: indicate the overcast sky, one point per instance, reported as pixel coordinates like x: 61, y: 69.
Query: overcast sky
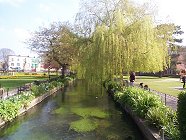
x: 20, y: 17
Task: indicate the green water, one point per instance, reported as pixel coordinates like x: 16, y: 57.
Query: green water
x: 73, y: 114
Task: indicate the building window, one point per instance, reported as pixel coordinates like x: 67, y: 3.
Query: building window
x: 18, y: 64
x: 12, y: 64
x: 12, y: 59
x: 18, y: 59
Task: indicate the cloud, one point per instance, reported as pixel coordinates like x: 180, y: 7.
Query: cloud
x: 15, y: 3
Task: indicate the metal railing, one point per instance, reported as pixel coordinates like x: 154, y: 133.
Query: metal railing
x: 168, y: 100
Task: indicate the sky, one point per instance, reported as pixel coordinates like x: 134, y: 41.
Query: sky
x: 18, y: 18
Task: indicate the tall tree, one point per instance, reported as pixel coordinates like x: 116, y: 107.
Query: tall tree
x: 56, y: 43
x: 171, y: 33
x: 4, y: 53
x: 123, y: 39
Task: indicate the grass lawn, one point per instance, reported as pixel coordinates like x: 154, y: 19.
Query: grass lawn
x: 172, y: 86
x: 14, y: 83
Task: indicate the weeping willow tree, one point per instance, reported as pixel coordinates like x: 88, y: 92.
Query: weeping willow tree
x: 123, y: 40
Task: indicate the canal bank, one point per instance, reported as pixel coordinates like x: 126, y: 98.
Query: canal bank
x: 53, y: 118
x: 31, y: 104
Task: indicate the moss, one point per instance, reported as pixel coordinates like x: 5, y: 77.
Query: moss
x: 60, y: 111
x: 90, y: 112
x: 84, y: 125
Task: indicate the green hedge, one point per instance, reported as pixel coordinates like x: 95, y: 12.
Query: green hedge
x: 182, y: 114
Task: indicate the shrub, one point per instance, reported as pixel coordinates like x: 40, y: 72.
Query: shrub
x: 181, y: 111
x: 8, y: 110
x: 54, y: 83
x: 139, y: 100
x: 111, y: 86
x: 149, y: 106
x: 38, y: 90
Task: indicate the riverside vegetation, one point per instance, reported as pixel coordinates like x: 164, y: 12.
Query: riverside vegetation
x: 10, y: 107
x: 147, y: 106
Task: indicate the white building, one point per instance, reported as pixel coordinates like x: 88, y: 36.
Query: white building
x: 23, y: 63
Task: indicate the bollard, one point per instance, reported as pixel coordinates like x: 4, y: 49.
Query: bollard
x: 163, y: 129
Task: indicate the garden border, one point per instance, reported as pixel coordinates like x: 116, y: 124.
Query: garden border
x: 147, y: 132
x: 33, y: 103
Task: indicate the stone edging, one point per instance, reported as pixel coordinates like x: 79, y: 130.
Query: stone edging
x: 148, y: 133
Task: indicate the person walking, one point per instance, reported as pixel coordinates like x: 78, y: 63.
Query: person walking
x: 132, y: 78
x: 183, y: 80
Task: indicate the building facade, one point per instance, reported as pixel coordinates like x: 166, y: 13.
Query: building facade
x: 24, y: 63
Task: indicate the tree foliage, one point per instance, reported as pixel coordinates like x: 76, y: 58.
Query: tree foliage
x: 55, y: 43
x: 109, y: 37
x: 171, y: 33
x: 124, y: 40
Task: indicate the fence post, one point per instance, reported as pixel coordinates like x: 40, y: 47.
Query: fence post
x: 162, y: 130
x: 165, y: 99
x: 7, y: 91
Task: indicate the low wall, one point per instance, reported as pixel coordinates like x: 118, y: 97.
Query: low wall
x: 148, y: 133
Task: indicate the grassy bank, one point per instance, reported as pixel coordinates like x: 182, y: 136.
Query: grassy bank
x: 172, y: 86
x: 13, y: 83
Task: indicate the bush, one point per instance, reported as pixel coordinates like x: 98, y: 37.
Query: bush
x: 8, y: 110
x: 54, y: 83
x: 149, y: 106
x: 39, y: 90
x: 139, y: 100
x: 164, y: 117
x: 181, y: 111
x: 112, y: 86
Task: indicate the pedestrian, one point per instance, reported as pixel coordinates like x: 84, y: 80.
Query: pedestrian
x: 183, y: 80
x: 146, y: 87
x: 141, y: 85
x: 132, y: 78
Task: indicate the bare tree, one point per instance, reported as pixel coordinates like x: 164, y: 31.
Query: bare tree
x: 4, y: 53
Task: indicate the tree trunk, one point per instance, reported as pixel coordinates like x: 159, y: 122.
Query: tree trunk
x: 160, y: 74
x: 63, y: 70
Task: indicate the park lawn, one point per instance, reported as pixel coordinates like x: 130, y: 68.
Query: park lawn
x: 14, y: 83
x: 172, y: 86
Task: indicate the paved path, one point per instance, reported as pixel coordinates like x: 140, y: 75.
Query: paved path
x: 169, y: 100
x: 10, y: 93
